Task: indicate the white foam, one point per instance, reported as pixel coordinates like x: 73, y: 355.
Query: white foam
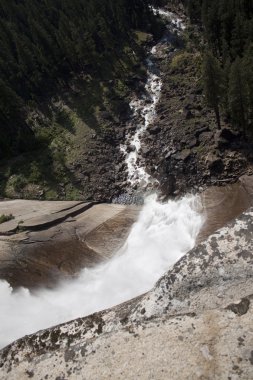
x: 144, y: 109
x: 163, y: 233
x: 176, y: 21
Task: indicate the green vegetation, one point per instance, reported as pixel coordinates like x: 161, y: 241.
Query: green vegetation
x: 44, y: 43
x: 213, y: 85
x: 5, y: 218
x: 180, y: 59
x: 228, y: 63
x: 63, y: 66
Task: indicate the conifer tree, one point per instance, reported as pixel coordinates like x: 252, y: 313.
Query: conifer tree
x: 45, y: 42
x: 237, y: 95
x: 213, y: 84
x: 247, y: 69
x: 228, y: 27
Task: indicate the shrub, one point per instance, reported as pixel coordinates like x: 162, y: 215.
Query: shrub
x: 5, y: 218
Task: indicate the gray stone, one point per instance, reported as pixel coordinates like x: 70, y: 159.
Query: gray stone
x: 183, y: 156
x: 195, y: 323
x: 37, y: 214
x: 50, y: 241
x: 191, y: 144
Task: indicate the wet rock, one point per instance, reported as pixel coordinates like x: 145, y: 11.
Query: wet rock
x: 131, y: 148
x: 145, y: 151
x: 168, y: 186
x: 55, y: 240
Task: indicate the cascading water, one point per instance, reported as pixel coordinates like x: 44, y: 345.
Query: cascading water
x: 144, y: 108
x: 162, y: 234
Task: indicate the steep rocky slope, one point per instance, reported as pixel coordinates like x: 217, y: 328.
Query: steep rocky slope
x: 184, y: 148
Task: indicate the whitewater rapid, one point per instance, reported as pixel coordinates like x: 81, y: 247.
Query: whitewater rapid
x: 160, y: 237
x: 144, y: 107
x: 162, y: 234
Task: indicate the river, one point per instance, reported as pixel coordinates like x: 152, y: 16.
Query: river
x: 163, y: 233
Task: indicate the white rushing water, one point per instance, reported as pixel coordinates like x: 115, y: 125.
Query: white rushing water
x: 177, y: 22
x: 144, y: 107
x: 162, y: 234
x: 160, y: 237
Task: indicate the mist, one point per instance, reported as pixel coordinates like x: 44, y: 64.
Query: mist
x: 162, y: 234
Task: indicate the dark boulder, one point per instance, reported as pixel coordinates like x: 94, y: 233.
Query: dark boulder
x: 228, y: 134
x: 154, y: 130
x: 216, y: 165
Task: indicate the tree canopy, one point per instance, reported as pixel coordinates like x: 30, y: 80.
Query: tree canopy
x: 228, y: 29
x: 43, y: 42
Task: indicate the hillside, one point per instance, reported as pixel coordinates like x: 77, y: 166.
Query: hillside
x: 66, y: 71
x: 126, y: 157
x: 70, y: 70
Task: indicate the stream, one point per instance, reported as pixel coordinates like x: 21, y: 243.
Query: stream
x: 163, y: 233
x: 144, y: 107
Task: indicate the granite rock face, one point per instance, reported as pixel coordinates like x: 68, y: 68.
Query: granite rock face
x: 195, y: 324
x: 50, y: 241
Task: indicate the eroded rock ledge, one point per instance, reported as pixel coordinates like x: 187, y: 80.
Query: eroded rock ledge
x: 195, y: 324
x: 51, y: 241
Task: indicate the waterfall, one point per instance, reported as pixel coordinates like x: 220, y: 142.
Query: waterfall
x: 144, y: 107
x: 160, y: 237
x: 162, y: 234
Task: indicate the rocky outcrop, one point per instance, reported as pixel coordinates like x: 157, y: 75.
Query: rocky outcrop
x: 37, y: 215
x: 49, y: 241
x: 195, y: 324
x: 186, y: 149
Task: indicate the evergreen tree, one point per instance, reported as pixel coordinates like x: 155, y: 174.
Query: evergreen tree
x: 247, y: 69
x: 45, y: 42
x: 228, y: 28
x: 237, y: 95
x: 213, y: 84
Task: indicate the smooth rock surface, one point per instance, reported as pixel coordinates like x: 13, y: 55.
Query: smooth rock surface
x: 195, y: 324
x: 30, y: 214
x: 57, y: 239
